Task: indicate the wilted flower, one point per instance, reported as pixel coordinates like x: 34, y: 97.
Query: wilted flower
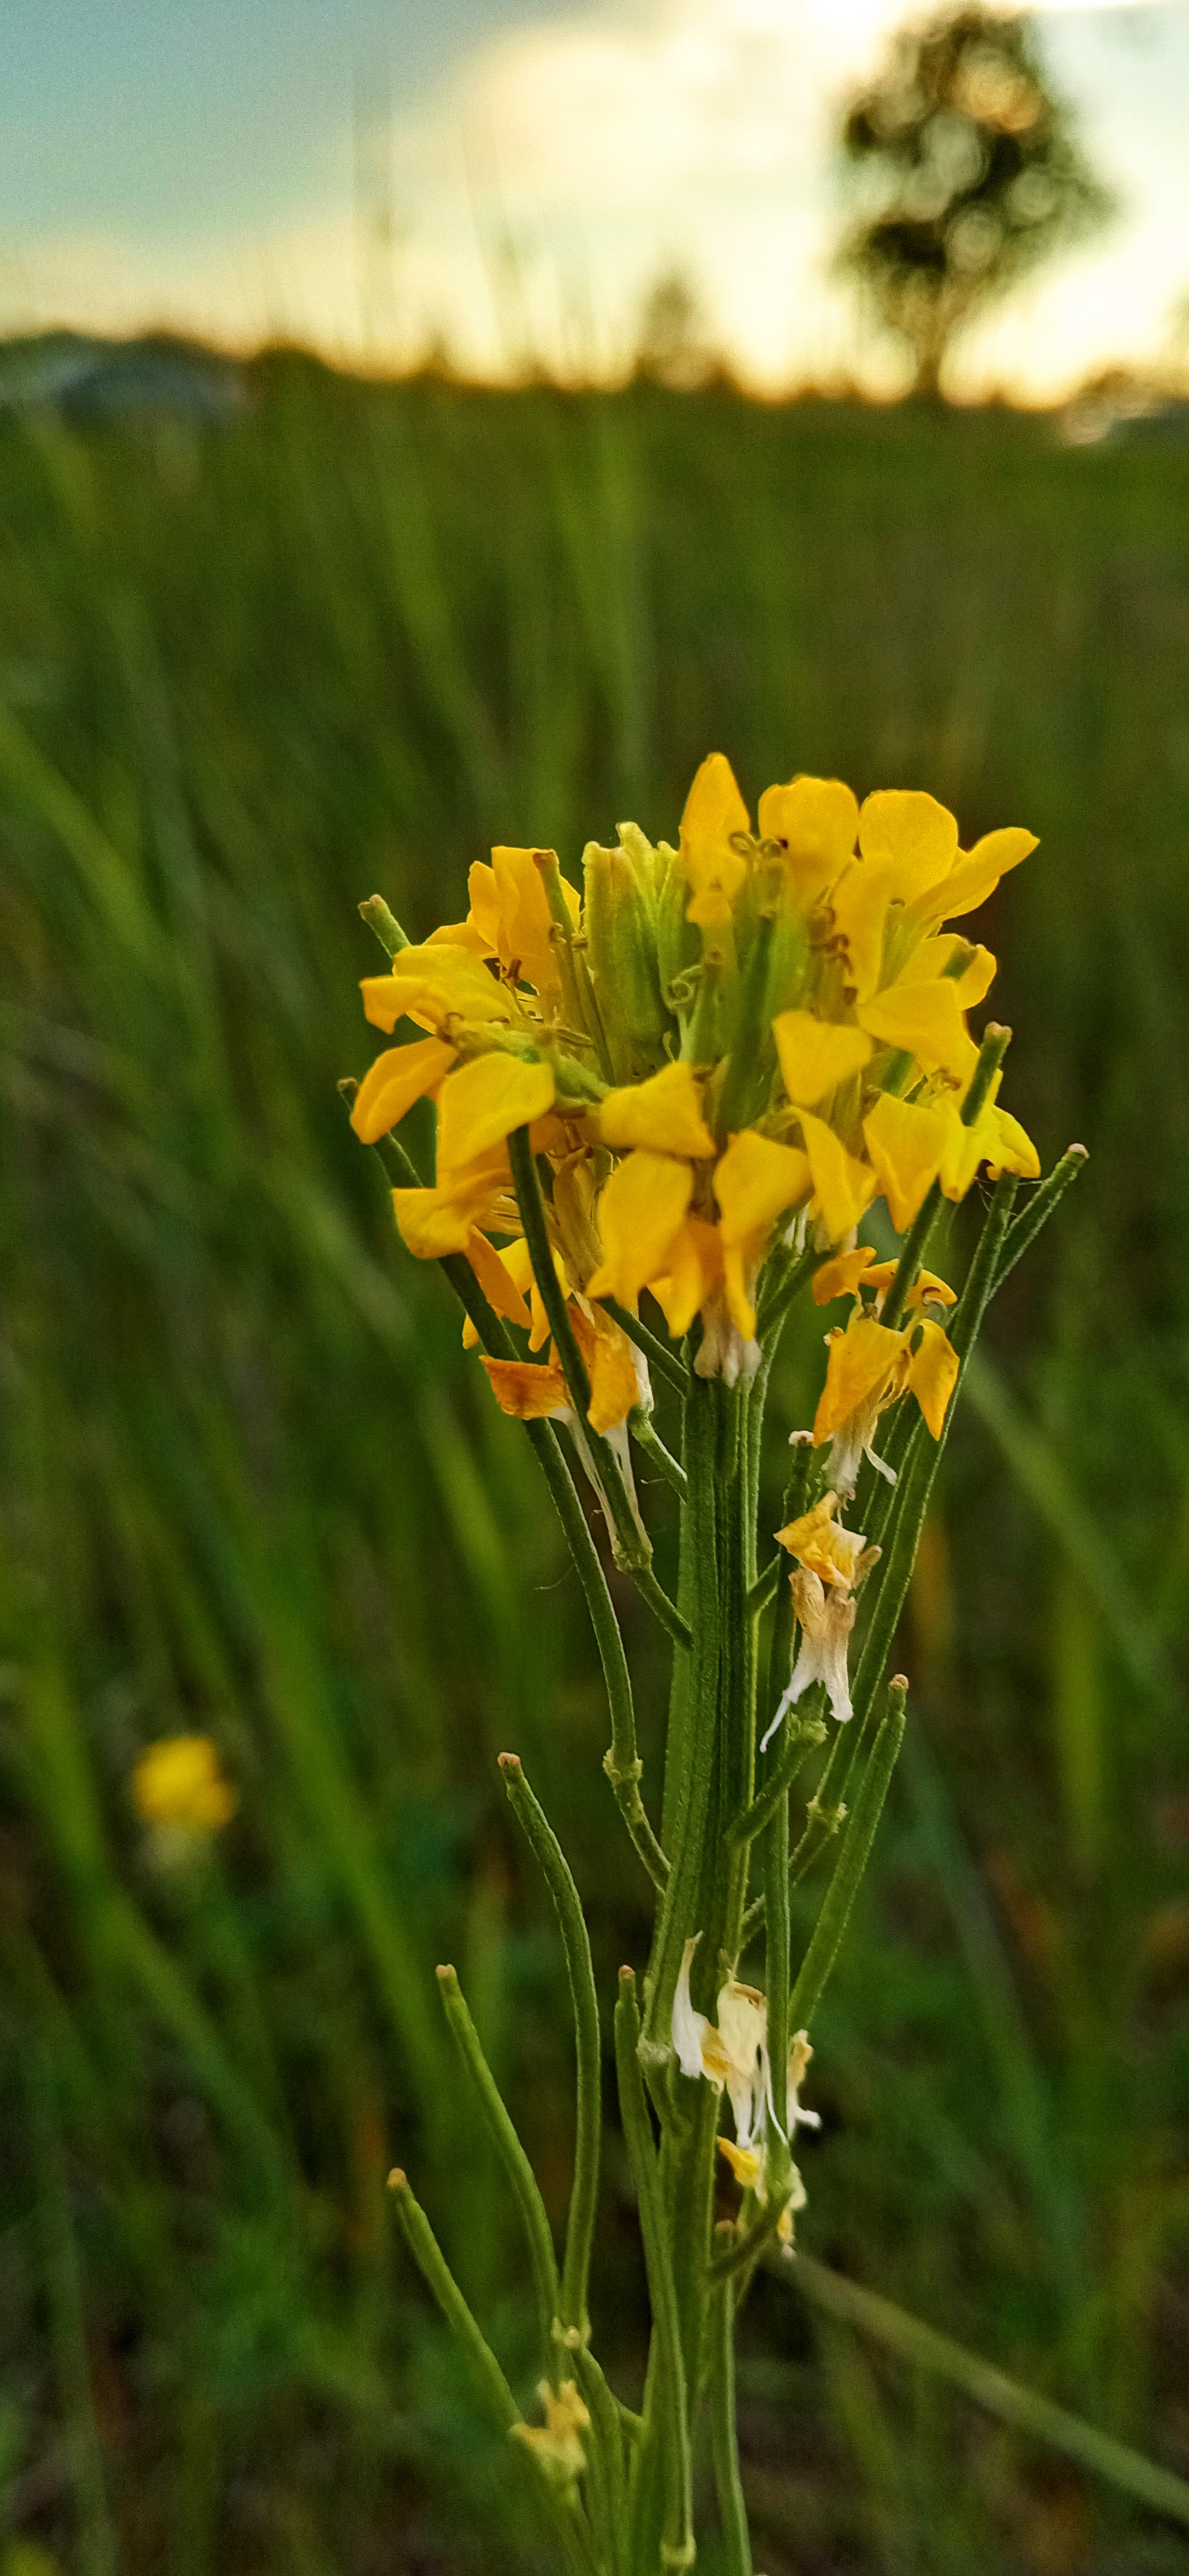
x: 557, y: 2443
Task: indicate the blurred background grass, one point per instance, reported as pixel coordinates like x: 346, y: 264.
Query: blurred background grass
x: 250, y: 672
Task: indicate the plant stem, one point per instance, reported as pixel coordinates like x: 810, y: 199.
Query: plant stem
x: 670, y: 2389
x: 640, y: 1426
x: 489, y: 2379
x: 665, y: 1362
x: 632, y: 1546
x: 436, y: 2273
x: 1048, y: 1195
x: 723, y: 2436
x: 512, y: 2157
x: 996, y: 1041
x: 576, y: 1943
x: 852, y: 1861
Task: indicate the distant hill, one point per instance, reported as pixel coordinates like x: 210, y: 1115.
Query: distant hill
x: 93, y: 378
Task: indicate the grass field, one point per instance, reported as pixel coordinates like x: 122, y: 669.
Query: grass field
x: 249, y: 1484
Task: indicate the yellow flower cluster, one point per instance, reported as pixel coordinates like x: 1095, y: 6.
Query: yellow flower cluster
x: 757, y: 1030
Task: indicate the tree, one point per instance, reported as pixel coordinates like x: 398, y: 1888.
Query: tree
x: 968, y: 171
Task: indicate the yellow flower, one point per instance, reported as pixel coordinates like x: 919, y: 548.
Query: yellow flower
x: 510, y: 917
x: 822, y: 1027
x: 178, y: 1783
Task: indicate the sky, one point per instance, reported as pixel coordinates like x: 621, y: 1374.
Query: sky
x: 509, y: 177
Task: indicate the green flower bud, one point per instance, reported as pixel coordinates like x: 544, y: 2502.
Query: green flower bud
x: 621, y: 954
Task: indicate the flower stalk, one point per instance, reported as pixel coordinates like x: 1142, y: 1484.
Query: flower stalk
x: 690, y: 1088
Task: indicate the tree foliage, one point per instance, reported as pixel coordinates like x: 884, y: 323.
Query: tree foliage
x: 968, y: 170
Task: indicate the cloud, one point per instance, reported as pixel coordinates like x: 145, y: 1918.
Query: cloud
x: 528, y: 202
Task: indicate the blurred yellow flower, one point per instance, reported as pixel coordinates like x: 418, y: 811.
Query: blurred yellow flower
x: 179, y: 1783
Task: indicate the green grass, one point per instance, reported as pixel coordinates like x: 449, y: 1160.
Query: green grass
x: 249, y: 1483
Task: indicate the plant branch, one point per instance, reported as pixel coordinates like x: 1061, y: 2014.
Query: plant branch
x: 670, y: 2374
x: 567, y: 1906
x: 512, y: 2157
x: 724, y: 2445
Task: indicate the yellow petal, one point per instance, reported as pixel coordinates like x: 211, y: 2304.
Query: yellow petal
x: 495, y: 1274
x: 639, y: 1211
x: 1012, y: 1149
x: 525, y: 924
x: 432, y: 984
x: 755, y: 1181
x: 610, y: 1366
x: 816, y: 1055
x: 433, y: 1222
x: 859, y: 905
x: 526, y: 1389
x: 926, y: 1021
x: 861, y: 1362
x: 483, y: 919
x: 820, y: 1544
x: 841, y: 1277
x: 482, y: 1103
x: 693, y: 1268
x: 913, y: 833
x: 907, y: 1143
x: 745, y: 2164
x: 397, y: 1078
x: 842, y: 1187
x: 664, y: 1114
x: 937, y: 957
x: 975, y: 875
x: 714, y: 812
x: 933, y: 1374
x: 817, y: 820
x: 926, y: 1286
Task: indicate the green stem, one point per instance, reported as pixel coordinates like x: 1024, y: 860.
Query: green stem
x: 622, y: 1763
x: 640, y: 1426
x: 852, y: 1860
x: 996, y: 1041
x: 489, y: 2379
x: 436, y: 2273
x: 779, y: 1293
x: 739, y: 2252
x: 1048, y: 1195
x: 732, y: 2511
x: 670, y: 2390
x: 665, y: 1362
x: 802, y: 1734
x: 576, y: 1944
x: 512, y: 2157
x: 630, y: 1541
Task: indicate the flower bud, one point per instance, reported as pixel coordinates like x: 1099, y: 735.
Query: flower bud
x: 621, y: 954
